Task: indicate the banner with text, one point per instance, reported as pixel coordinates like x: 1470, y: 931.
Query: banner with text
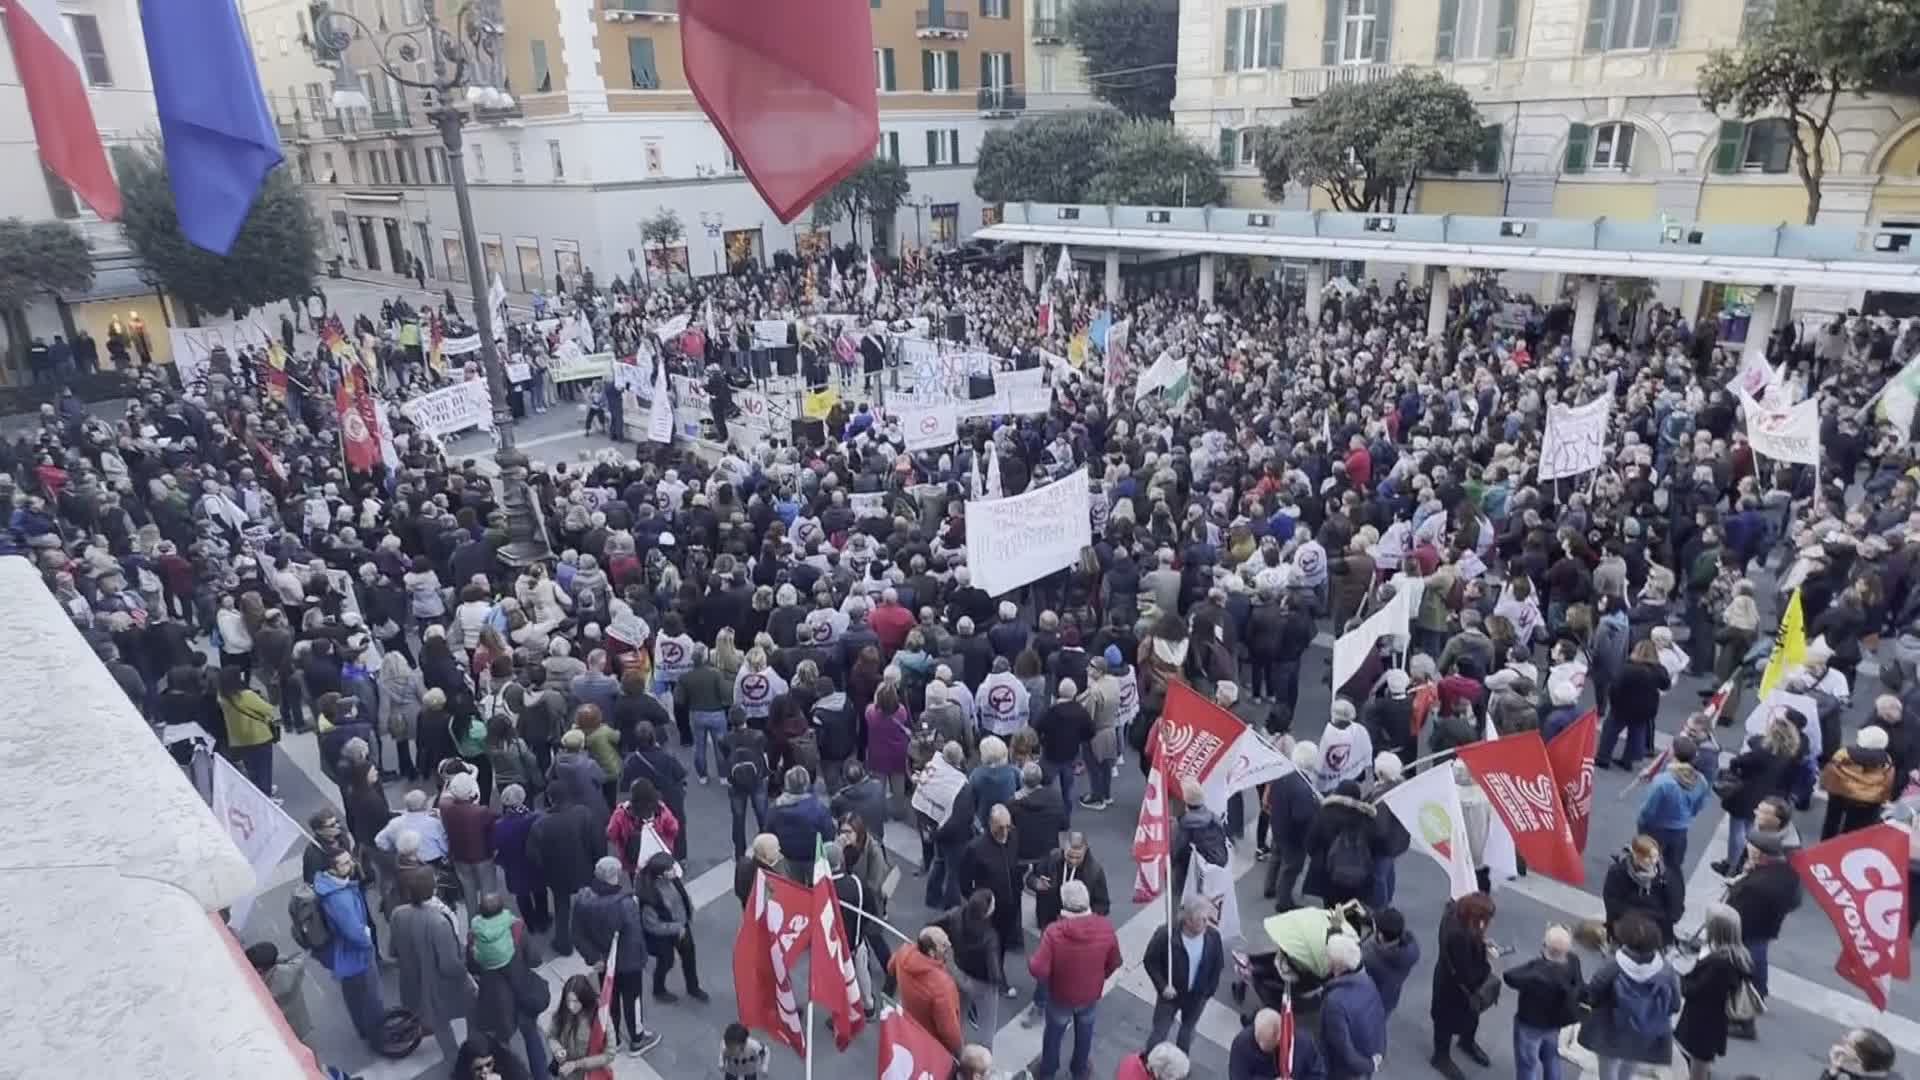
x: 570, y: 366
x: 1025, y: 537
x: 452, y: 408
x: 193, y: 346
x: 1791, y: 434
x: 1576, y: 440
x: 925, y: 427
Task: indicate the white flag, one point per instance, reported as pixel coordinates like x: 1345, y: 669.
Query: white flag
x: 1063, y: 270
x: 995, y: 490
x: 660, y: 419
x: 497, y: 304
x: 709, y: 320
x: 1429, y: 806
x: 835, y: 283
x: 260, y: 829
x: 673, y: 327
x: 1215, y: 883
x: 871, y: 290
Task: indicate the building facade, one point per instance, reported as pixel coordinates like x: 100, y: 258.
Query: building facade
x: 1590, y: 108
x: 604, y: 134
x: 120, y: 90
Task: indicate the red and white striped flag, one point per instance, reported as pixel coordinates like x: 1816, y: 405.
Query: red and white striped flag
x: 1283, y: 1049
x: 1718, y: 702
x: 56, y: 86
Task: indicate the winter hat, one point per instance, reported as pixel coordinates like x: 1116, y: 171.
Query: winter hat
x: 1112, y: 656
x: 607, y: 870
x: 464, y: 787
x: 513, y: 795
x: 1872, y: 738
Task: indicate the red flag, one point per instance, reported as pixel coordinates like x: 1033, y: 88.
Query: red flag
x: 1283, y: 1047
x: 1860, y: 880
x: 606, y: 981
x: 1152, y: 833
x: 908, y: 1050
x: 1571, y: 756
x: 1718, y: 702
x: 1518, y: 779
x: 357, y: 426
x: 790, y: 86
x: 50, y: 69
x: 775, y: 927
x: 831, y: 981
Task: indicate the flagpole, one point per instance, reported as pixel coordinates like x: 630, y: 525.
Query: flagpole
x: 810, y: 1040
x: 1167, y: 881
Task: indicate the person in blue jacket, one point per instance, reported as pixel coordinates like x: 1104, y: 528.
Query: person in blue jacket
x: 349, y: 954
x: 1353, y: 1020
x: 1673, y: 800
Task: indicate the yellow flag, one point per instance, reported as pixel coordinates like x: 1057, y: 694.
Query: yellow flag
x: 1789, y: 649
x: 1077, y: 350
x: 819, y: 403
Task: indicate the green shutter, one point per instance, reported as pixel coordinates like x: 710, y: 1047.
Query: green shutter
x: 1490, y: 144
x: 1233, y: 39
x: 1509, y: 27
x: 926, y: 69
x: 1383, y: 31
x: 1733, y: 140
x: 1666, y: 24
x: 1443, y: 38
x: 886, y: 69
x: 933, y: 147
x: 1276, y: 48
x: 640, y: 63
x: 1754, y: 17
x: 986, y: 70
x: 542, y: 77
x: 1228, y: 142
x: 953, y: 69
x: 1579, y: 140
x: 1330, y: 38
x: 953, y: 144
x: 1596, y: 38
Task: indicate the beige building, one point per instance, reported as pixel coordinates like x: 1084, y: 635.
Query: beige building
x: 1590, y: 106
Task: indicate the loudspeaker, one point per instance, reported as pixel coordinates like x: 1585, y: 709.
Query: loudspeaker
x: 956, y: 327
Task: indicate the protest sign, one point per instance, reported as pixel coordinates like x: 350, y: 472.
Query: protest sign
x: 1791, y: 434
x: 629, y: 374
x: 193, y: 346
x: 691, y: 404
x: 934, y: 371
x: 925, y: 427
x: 1517, y: 775
x: 868, y: 504
x: 1576, y: 440
x: 1025, y: 537
x: 936, y: 788
x: 452, y: 408
x: 460, y: 346
x: 569, y: 365
x: 519, y: 371
x: 769, y: 333
x: 1860, y: 880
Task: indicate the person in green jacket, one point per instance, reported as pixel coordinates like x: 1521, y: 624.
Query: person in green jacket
x: 250, y: 731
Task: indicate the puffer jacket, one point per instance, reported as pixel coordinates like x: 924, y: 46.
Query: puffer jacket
x: 1859, y: 775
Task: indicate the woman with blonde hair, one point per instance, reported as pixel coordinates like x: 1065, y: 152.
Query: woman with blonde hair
x: 757, y: 685
x: 726, y: 656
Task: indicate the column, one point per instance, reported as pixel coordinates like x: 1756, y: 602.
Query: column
x: 1586, y: 305
x: 1316, y: 286
x: 1438, y: 283
x: 1206, y: 277
x: 1766, y: 309
x: 1113, y: 276
x: 1030, y: 266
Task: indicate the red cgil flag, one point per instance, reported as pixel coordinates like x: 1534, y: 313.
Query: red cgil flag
x: 790, y: 86
x: 50, y: 69
x: 830, y: 977
x: 1152, y: 834
x: 358, y: 423
x: 1571, y: 756
x: 909, y: 1050
x: 1517, y: 776
x: 1860, y: 880
x: 776, y: 926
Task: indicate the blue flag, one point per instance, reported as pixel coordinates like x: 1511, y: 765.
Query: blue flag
x: 220, y: 139
x: 1098, y: 330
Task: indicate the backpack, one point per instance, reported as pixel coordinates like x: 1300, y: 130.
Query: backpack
x: 745, y: 769
x: 311, y: 931
x: 1349, y: 861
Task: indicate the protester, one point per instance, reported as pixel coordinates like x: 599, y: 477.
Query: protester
x: 1763, y: 895
x: 606, y: 912
x: 1632, y: 1000
x: 576, y: 1036
x: 1462, y: 969
x: 1353, y: 1020
x: 1185, y: 970
x: 1076, y: 956
x: 928, y: 993
x: 1710, y: 987
x: 434, y: 983
x: 1548, y: 991
x: 1673, y: 800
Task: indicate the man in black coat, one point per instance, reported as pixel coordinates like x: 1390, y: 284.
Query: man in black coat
x: 565, y: 843
x: 1547, y: 990
x: 974, y: 651
x: 1183, y: 984
x: 1039, y: 815
x: 1073, y: 861
x: 992, y: 862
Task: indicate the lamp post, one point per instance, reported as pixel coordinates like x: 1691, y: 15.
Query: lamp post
x: 462, y: 58
x: 919, y: 204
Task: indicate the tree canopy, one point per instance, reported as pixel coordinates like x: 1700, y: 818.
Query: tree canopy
x: 1131, y: 47
x: 1155, y: 164
x: 42, y: 257
x: 1050, y: 157
x: 274, y: 257
x: 1367, y: 144
x: 1799, y: 64
x: 876, y: 189
x: 662, y: 229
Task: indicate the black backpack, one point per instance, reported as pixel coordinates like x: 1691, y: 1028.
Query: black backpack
x: 311, y: 931
x: 746, y: 769
x: 1349, y: 861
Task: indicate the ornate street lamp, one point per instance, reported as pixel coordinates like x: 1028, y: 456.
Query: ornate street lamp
x: 467, y: 70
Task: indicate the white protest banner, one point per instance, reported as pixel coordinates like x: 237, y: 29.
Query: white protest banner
x: 629, y: 374
x: 1023, y: 393
x: 660, y: 415
x: 934, y: 371
x: 452, y: 408
x: 868, y: 504
x: 673, y: 327
x: 1429, y: 806
x: 1215, y: 885
x: 460, y: 346
x: 1350, y: 650
x: 1791, y: 434
x: 1576, y: 440
x: 259, y: 828
x: 691, y: 404
x: 938, y: 785
x: 925, y: 427
x: 769, y: 333
x: 759, y: 413
x: 570, y: 365
x: 519, y: 371
x: 1022, y: 538
x: 193, y: 346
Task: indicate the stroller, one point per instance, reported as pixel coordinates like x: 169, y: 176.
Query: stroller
x: 1296, y: 964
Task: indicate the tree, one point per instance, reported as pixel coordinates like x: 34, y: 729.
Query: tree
x: 1131, y: 47
x: 660, y: 232
x: 42, y: 257
x: 874, y: 190
x: 1046, y: 158
x: 1367, y: 144
x: 274, y: 257
x: 1802, y: 61
x: 1154, y: 164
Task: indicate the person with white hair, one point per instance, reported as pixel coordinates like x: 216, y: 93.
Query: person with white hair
x: 1185, y: 969
x: 1353, y: 1020
x: 1292, y: 802
x: 1076, y: 956
x: 1346, y: 749
x: 605, y: 910
x: 1547, y: 991
x: 1164, y: 1062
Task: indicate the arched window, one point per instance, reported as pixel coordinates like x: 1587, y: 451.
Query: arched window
x: 1762, y: 146
x: 1600, y: 148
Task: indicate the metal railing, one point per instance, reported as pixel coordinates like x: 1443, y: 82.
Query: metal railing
x: 1049, y: 30
x: 940, y: 21
x: 388, y: 119
x: 1312, y: 82
x: 642, y: 7
x: 1001, y: 99
x: 332, y: 125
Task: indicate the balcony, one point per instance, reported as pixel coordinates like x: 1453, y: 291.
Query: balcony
x: 289, y: 130
x: 1049, y: 31
x: 940, y: 24
x: 1310, y: 83
x: 388, y: 119
x: 640, y: 10
x: 332, y: 125
x: 1001, y: 100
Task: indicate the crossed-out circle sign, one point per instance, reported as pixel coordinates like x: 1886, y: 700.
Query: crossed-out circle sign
x: 671, y: 652
x: 754, y: 687
x: 1000, y: 700
x: 929, y: 424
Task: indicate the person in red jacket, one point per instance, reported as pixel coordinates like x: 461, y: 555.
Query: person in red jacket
x: 1076, y: 956
x: 1164, y: 1062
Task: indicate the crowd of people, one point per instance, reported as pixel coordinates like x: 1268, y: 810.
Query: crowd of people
x: 729, y: 618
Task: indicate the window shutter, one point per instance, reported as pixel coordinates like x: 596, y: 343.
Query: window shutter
x: 1579, y: 136
x: 1733, y: 140
x: 1490, y: 142
x: 1509, y: 28
x: 1443, y: 40
x: 1383, y: 31
x: 933, y: 147
x: 1779, y: 148
x: 1263, y: 35
x: 1227, y: 142
x: 986, y: 70
x: 1596, y: 38
x: 953, y: 145
x: 926, y: 69
x: 1276, y: 36
x: 1233, y: 38
x: 1330, y: 39
x: 953, y: 69
x: 1666, y: 24
x: 886, y: 69
x: 640, y: 57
